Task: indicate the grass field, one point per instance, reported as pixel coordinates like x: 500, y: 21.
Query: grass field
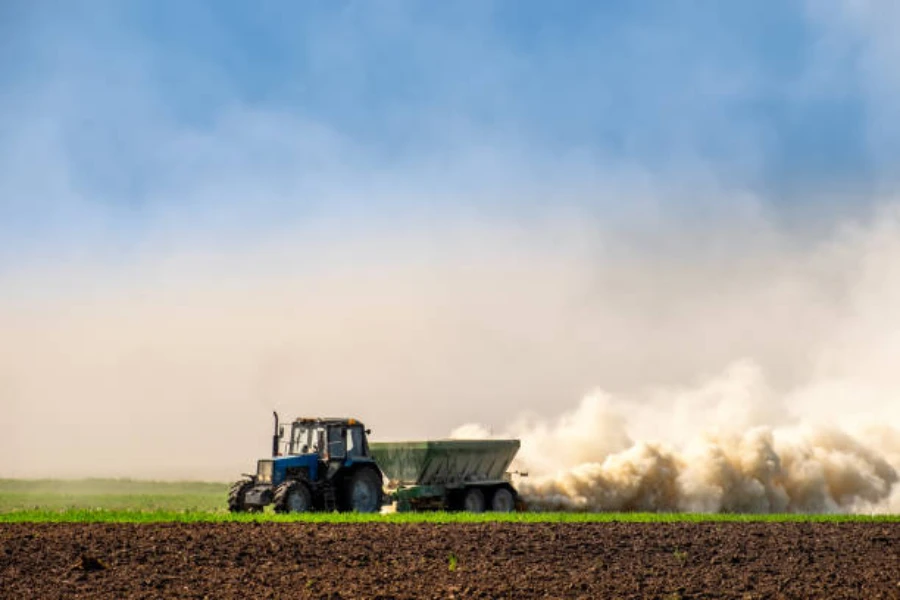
x: 128, y: 501
x: 109, y: 494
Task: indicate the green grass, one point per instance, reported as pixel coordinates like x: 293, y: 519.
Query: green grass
x: 102, y: 515
x: 129, y: 501
x: 17, y: 495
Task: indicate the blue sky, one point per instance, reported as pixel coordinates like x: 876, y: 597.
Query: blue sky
x: 120, y: 118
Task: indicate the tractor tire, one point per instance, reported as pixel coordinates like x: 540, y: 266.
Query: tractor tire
x: 293, y: 497
x: 503, y: 500
x: 473, y: 501
x: 236, y: 495
x: 362, y: 492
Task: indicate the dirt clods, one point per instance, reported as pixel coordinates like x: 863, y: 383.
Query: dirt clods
x: 490, y: 560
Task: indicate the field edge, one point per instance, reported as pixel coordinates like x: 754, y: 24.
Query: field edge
x: 101, y: 515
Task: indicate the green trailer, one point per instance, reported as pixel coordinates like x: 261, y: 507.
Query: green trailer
x: 468, y: 475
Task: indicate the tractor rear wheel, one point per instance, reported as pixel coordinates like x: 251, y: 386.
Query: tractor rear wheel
x: 293, y: 496
x: 236, y: 495
x: 473, y: 501
x: 503, y: 500
x: 362, y: 492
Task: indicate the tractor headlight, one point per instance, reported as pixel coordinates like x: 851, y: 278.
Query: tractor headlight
x: 264, y: 471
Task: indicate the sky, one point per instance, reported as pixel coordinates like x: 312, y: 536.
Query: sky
x: 428, y: 214
x: 119, y: 117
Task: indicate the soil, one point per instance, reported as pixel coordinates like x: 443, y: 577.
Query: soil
x: 600, y: 560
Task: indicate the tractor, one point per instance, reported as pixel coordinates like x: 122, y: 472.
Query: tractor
x: 323, y: 465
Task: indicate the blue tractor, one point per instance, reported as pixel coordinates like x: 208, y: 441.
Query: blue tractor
x: 324, y: 464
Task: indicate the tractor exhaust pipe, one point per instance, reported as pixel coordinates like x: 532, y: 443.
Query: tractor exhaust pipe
x: 275, y: 436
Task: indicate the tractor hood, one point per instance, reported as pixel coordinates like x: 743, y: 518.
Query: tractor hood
x: 275, y: 470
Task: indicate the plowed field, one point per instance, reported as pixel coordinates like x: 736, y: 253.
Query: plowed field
x: 488, y: 560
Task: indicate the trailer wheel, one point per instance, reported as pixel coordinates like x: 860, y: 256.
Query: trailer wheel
x: 473, y: 501
x: 236, y: 495
x: 293, y: 496
x: 362, y: 492
x: 503, y: 500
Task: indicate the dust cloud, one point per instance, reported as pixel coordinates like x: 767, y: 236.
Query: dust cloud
x: 728, y: 364
x: 731, y: 441
x: 586, y: 461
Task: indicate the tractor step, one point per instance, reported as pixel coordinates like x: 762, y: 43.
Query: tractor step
x: 329, y: 499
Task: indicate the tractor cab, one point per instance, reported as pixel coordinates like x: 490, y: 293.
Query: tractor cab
x: 330, y: 439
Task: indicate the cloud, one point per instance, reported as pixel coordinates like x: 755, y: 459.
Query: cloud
x: 122, y: 118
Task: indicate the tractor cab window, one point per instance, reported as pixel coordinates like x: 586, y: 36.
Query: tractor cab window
x: 300, y: 439
x: 337, y: 448
x: 355, y: 441
x: 320, y: 441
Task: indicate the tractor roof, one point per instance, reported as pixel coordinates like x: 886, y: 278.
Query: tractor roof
x: 326, y: 421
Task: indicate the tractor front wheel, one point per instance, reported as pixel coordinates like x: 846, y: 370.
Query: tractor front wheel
x: 293, y: 496
x: 236, y: 495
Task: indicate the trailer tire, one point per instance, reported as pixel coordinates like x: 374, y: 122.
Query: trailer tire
x: 473, y: 501
x: 362, y: 491
x: 236, y: 495
x: 503, y: 500
x: 293, y: 496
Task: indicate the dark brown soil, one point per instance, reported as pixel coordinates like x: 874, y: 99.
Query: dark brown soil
x: 277, y: 560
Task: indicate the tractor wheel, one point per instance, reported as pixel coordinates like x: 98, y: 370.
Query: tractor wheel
x: 503, y: 500
x: 473, y: 501
x: 293, y: 496
x: 362, y: 492
x: 236, y: 495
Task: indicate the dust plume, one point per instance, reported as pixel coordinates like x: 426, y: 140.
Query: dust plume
x: 825, y: 441
x: 586, y: 461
